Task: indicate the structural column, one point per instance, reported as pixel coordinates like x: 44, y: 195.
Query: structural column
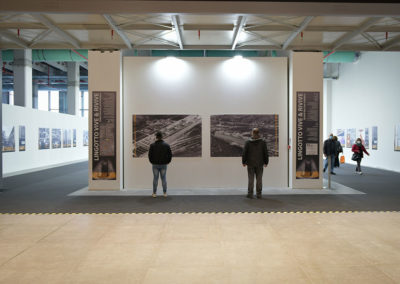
x: 73, y: 88
x: 23, y: 77
x: 35, y: 96
x: 305, y: 120
x: 105, y: 111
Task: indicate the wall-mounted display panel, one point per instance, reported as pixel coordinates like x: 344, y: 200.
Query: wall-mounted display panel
x: 66, y: 138
x: 74, y: 137
x: 22, y: 141
x: 44, y: 138
x: 181, y: 132
x: 374, y: 138
x: 230, y: 132
x: 397, y: 137
x: 341, y: 135
x: 8, y: 136
x: 350, y: 137
x: 56, y: 138
x: 85, y: 135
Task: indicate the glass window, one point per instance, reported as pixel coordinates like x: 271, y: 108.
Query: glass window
x: 54, y: 101
x: 43, y: 100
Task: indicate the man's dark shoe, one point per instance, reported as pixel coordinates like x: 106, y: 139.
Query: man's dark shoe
x: 332, y: 173
x: 259, y: 196
x: 249, y: 196
x: 324, y: 170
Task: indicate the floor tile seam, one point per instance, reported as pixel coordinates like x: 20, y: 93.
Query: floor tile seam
x: 200, y: 212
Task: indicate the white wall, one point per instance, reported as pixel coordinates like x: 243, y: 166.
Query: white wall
x: 33, y: 158
x: 367, y: 94
x: 204, y: 86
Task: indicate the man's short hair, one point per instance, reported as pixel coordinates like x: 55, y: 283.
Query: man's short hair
x: 255, y: 132
x: 158, y: 135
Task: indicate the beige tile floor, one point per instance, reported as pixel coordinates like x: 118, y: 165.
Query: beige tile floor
x: 201, y: 248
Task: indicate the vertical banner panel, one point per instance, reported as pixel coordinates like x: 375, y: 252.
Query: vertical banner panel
x: 104, y: 136
x: 307, y: 127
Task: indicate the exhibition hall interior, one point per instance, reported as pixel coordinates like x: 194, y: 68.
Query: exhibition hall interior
x: 87, y: 85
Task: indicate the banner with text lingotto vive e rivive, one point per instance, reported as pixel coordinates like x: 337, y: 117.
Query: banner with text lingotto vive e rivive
x: 104, y: 136
x: 307, y: 133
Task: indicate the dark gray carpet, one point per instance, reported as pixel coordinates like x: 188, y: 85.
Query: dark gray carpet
x: 47, y: 192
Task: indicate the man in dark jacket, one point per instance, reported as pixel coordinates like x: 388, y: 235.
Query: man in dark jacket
x: 330, y: 152
x: 160, y: 156
x: 255, y: 156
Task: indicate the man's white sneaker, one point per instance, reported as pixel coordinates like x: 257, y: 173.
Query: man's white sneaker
x: 154, y: 195
x: 165, y: 195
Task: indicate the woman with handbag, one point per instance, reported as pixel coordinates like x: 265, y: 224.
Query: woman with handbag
x: 358, y: 153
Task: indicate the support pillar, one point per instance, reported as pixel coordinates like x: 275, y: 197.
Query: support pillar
x: 73, y: 88
x: 305, y: 117
x: 23, y: 77
x: 105, y: 117
x: 35, y: 96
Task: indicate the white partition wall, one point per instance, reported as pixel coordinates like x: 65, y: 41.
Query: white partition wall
x: 105, y: 76
x: 205, y: 87
x: 306, y: 78
x: 33, y: 158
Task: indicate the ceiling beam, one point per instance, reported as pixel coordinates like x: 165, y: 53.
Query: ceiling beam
x: 390, y: 43
x: 39, y: 37
x: 152, y: 37
x: 14, y: 39
x: 350, y: 35
x: 49, y: 24
x: 259, y: 38
x: 298, y: 30
x: 176, y: 24
x: 195, y: 27
x: 371, y: 40
x: 57, y: 65
x: 119, y: 31
x: 236, y: 32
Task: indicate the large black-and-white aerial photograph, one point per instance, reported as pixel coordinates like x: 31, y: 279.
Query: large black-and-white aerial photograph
x: 229, y: 133
x: 181, y: 132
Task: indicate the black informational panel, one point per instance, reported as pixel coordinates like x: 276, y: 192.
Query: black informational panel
x: 104, y: 116
x: 307, y: 133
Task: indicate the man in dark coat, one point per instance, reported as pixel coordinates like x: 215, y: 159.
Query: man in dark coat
x: 330, y: 152
x: 255, y: 156
x: 160, y: 156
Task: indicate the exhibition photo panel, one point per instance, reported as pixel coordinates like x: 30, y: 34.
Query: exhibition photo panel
x: 229, y: 133
x: 181, y: 132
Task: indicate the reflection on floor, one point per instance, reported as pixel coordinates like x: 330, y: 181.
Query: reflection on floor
x: 200, y: 248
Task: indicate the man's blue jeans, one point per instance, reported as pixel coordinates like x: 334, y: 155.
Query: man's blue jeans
x: 160, y: 170
x: 332, y: 162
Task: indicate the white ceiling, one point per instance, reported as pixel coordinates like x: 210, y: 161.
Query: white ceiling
x: 347, y: 28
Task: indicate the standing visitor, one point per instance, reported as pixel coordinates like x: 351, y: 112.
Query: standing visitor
x: 160, y: 156
x: 255, y: 156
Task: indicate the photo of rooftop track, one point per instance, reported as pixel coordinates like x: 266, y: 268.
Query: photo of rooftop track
x: 230, y: 132
x: 181, y: 132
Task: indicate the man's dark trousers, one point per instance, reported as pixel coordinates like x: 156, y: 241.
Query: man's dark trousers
x: 258, y: 172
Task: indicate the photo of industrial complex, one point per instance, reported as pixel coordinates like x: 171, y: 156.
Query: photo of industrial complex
x: 181, y: 132
x: 230, y: 132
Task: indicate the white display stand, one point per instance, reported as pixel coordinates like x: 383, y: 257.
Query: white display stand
x: 205, y: 87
